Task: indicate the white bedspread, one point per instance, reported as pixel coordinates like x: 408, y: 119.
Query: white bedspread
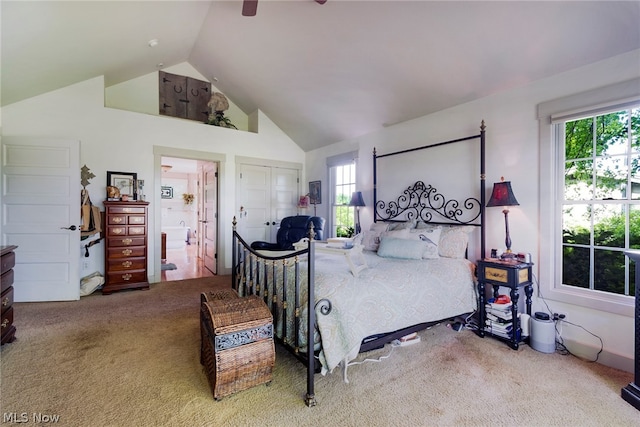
x: 389, y: 295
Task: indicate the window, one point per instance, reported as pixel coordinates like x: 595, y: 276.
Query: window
x: 343, y: 180
x: 600, y: 208
x: 589, y: 197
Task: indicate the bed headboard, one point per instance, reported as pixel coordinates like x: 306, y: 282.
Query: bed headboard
x: 424, y: 202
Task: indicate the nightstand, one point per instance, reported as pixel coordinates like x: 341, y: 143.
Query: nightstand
x: 512, y: 275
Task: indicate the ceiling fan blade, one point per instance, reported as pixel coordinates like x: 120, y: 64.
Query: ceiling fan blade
x: 250, y: 7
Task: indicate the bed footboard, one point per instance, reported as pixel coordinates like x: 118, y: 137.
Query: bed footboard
x: 278, y: 280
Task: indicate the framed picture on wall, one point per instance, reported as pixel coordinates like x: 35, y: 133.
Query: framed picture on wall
x: 315, y: 192
x: 125, y: 182
x: 166, y: 192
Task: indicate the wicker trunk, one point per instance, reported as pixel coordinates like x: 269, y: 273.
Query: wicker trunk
x: 237, y: 348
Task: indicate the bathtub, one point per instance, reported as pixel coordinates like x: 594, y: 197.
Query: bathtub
x: 177, y: 236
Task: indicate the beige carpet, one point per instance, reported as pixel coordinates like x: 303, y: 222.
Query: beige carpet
x: 132, y: 359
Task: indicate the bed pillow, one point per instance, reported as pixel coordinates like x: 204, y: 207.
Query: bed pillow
x: 454, y: 241
x: 402, y: 233
x: 421, y: 225
x: 431, y: 238
x: 371, y: 239
x: 379, y: 227
x: 392, y: 247
x: 402, y: 225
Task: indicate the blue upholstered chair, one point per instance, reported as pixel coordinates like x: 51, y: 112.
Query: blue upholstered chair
x: 292, y: 229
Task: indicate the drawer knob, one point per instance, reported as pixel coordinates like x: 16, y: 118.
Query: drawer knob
x: 5, y: 323
x: 127, y: 241
x: 126, y: 276
x: 118, y: 231
x: 117, y: 220
x: 127, y: 252
x: 127, y: 264
x: 5, y: 302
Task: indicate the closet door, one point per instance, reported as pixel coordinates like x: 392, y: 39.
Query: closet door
x: 266, y: 195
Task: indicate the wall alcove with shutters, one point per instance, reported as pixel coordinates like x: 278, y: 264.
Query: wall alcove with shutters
x: 184, y: 97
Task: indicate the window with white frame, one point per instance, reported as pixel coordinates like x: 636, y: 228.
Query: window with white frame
x: 584, y: 198
x: 600, y: 208
x: 590, y: 197
x: 343, y: 184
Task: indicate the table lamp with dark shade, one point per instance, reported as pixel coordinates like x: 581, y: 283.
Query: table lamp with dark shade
x: 502, y: 195
x: 357, y: 201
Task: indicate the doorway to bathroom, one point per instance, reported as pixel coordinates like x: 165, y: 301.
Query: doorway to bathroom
x: 188, y: 208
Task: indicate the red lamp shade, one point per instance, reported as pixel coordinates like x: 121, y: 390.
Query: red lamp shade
x: 502, y: 195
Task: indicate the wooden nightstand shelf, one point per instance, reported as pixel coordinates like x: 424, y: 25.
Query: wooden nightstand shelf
x: 499, y: 273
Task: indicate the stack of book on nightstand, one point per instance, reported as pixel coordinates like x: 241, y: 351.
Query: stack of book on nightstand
x: 499, y: 319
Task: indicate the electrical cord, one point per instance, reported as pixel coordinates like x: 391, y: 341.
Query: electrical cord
x: 561, y: 347
x: 379, y: 359
x: 470, y: 321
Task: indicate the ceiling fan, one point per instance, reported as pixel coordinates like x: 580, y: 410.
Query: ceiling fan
x: 249, y: 7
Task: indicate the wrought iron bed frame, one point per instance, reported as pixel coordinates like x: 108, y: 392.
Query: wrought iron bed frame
x: 251, y: 270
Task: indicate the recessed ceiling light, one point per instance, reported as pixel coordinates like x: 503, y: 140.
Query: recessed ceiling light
x: 153, y: 43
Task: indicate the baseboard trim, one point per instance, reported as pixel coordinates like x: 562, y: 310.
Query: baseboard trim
x: 606, y: 358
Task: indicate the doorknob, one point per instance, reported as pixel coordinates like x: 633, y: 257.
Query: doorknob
x: 266, y: 223
x: 72, y: 228
x: 273, y: 223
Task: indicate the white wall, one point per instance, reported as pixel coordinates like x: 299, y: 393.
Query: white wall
x: 512, y: 152
x: 124, y: 141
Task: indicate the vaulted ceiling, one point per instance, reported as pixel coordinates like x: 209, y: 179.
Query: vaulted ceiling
x: 322, y: 73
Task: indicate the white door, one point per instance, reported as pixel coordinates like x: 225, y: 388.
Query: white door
x: 41, y: 215
x: 255, y: 197
x: 284, y: 190
x: 209, y: 221
x: 267, y: 194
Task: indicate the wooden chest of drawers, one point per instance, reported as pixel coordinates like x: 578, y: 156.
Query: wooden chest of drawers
x: 126, y: 246
x: 8, y: 261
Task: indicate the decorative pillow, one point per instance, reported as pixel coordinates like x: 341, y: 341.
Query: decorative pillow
x: 391, y: 247
x: 454, y: 241
x: 371, y: 238
x: 402, y: 225
x: 431, y: 238
x: 379, y: 227
x: 403, y: 233
x: 421, y: 225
